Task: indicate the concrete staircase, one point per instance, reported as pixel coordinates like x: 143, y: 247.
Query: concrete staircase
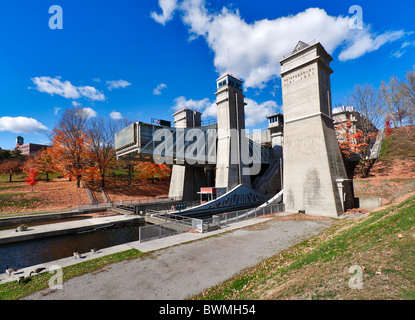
x: 374, y: 152
x: 270, y: 181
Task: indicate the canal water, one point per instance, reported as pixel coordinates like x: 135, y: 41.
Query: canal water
x: 27, y: 253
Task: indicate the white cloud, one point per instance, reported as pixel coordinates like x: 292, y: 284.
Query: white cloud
x: 406, y: 45
x: 197, y: 105
x: 168, y: 7
x: 256, y: 113
x: 362, y: 42
x: 56, y: 110
x: 91, y: 113
x: 256, y: 48
x: 66, y: 89
x: 91, y: 93
x: 210, y: 111
x: 22, y: 125
x: 115, y: 115
x: 76, y: 104
x: 157, y: 90
x: 116, y: 84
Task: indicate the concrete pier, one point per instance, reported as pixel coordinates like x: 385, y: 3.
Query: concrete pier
x: 315, y: 179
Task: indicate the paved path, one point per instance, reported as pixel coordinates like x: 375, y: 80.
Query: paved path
x: 187, y: 269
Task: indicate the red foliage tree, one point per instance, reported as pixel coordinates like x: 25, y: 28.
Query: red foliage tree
x: 32, y: 177
x: 388, y: 129
x: 353, y: 142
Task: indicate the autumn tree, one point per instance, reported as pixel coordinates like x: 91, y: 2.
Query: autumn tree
x: 160, y: 170
x: 388, y: 129
x: 11, y: 167
x: 393, y: 98
x: 102, y: 135
x: 72, y: 144
x: 408, y: 86
x: 366, y: 101
x: 32, y: 174
x: 4, y: 155
x: 32, y: 178
x: 354, y: 144
x: 127, y: 164
x: 151, y: 170
x: 45, y: 162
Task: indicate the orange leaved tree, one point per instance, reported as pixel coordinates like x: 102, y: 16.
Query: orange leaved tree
x: 149, y: 170
x: 45, y: 162
x: 72, y: 145
x: 11, y: 167
x: 353, y: 143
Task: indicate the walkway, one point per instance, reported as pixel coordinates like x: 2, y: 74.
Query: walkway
x: 177, y: 272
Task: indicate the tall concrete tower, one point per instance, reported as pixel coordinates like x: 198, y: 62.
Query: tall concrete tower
x: 186, y: 180
x: 231, y: 120
x: 314, y: 176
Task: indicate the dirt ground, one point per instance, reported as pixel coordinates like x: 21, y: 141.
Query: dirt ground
x: 62, y: 194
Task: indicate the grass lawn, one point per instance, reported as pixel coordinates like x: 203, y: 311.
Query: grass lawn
x: 18, y: 200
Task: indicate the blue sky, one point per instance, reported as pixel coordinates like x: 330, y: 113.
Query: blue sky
x: 145, y: 59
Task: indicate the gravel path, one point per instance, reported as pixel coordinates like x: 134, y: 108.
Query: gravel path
x: 187, y: 269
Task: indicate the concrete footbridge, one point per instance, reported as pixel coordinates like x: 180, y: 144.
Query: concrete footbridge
x: 171, y: 145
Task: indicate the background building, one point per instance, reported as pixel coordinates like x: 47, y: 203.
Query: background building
x: 29, y: 149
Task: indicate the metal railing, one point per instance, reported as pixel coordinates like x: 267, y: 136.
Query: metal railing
x: 132, y: 202
x: 173, y: 225
x: 180, y: 224
x: 230, y: 217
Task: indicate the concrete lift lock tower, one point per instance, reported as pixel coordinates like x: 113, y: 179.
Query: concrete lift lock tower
x: 231, y: 121
x: 315, y: 179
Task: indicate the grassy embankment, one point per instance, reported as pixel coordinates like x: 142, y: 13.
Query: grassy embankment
x: 382, y: 244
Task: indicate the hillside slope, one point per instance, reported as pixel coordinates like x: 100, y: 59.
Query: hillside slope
x: 393, y: 174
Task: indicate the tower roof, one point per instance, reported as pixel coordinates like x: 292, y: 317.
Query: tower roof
x: 300, y: 46
x: 228, y: 74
